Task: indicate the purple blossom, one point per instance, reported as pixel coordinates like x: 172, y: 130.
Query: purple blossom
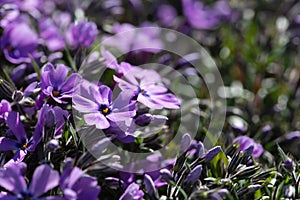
x: 198, y: 15
x: 136, y: 39
x: 22, y: 144
x: 150, y: 186
x: 51, y: 35
x: 245, y: 142
x: 55, y: 83
x: 76, y: 185
x: 132, y: 192
x: 4, y: 110
x: 166, y: 14
x: 18, y: 47
x: 146, y: 86
x: 99, y: 109
x: 82, y: 34
x: 44, y: 179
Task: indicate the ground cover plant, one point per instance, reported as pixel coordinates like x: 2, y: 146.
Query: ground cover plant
x: 141, y: 99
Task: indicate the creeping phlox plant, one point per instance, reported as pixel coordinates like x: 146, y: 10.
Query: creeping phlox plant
x: 64, y: 125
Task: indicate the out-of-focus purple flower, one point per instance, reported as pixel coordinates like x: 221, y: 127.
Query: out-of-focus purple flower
x: 128, y: 38
x: 111, y: 62
x: 4, y: 110
x: 198, y: 15
x: 44, y: 179
x: 245, y: 142
x: 49, y: 117
x: 166, y: 14
x: 18, y: 47
x: 22, y: 144
x: 133, y: 192
x: 54, y: 82
x: 51, y: 35
x: 194, y: 175
x: 99, y: 109
x: 146, y: 86
x: 76, y: 185
x: 292, y: 135
x: 82, y: 34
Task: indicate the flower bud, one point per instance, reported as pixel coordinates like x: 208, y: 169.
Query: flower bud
x: 194, y: 175
x: 166, y: 174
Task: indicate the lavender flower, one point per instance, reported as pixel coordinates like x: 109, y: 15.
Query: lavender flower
x: 44, y: 179
x: 22, y: 144
x: 51, y: 35
x: 54, y: 83
x: 82, y: 34
x: 75, y: 185
x: 4, y: 110
x: 141, y: 40
x: 99, y: 109
x: 148, y: 90
x: 166, y: 14
x: 198, y: 15
x: 132, y: 192
x: 245, y: 142
x: 18, y: 47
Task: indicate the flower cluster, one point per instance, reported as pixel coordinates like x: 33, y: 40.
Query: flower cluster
x: 58, y: 121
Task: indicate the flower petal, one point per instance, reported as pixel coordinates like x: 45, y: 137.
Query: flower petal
x: 44, y: 179
x: 16, y: 126
x: 96, y: 119
x: 7, y: 144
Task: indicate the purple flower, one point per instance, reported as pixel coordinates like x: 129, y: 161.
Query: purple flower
x: 44, y: 179
x: 146, y: 86
x: 55, y: 83
x: 199, y: 16
x: 166, y: 14
x: 245, y: 142
x: 128, y: 38
x: 75, y: 185
x: 51, y: 34
x: 132, y: 192
x: 18, y: 47
x: 52, y: 117
x: 99, y: 109
x: 22, y: 144
x: 82, y: 34
x: 4, y: 110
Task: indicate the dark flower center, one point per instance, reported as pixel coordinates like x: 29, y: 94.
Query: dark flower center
x: 104, y: 109
x: 24, y: 146
x: 10, y: 48
x: 55, y: 93
x: 143, y: 91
